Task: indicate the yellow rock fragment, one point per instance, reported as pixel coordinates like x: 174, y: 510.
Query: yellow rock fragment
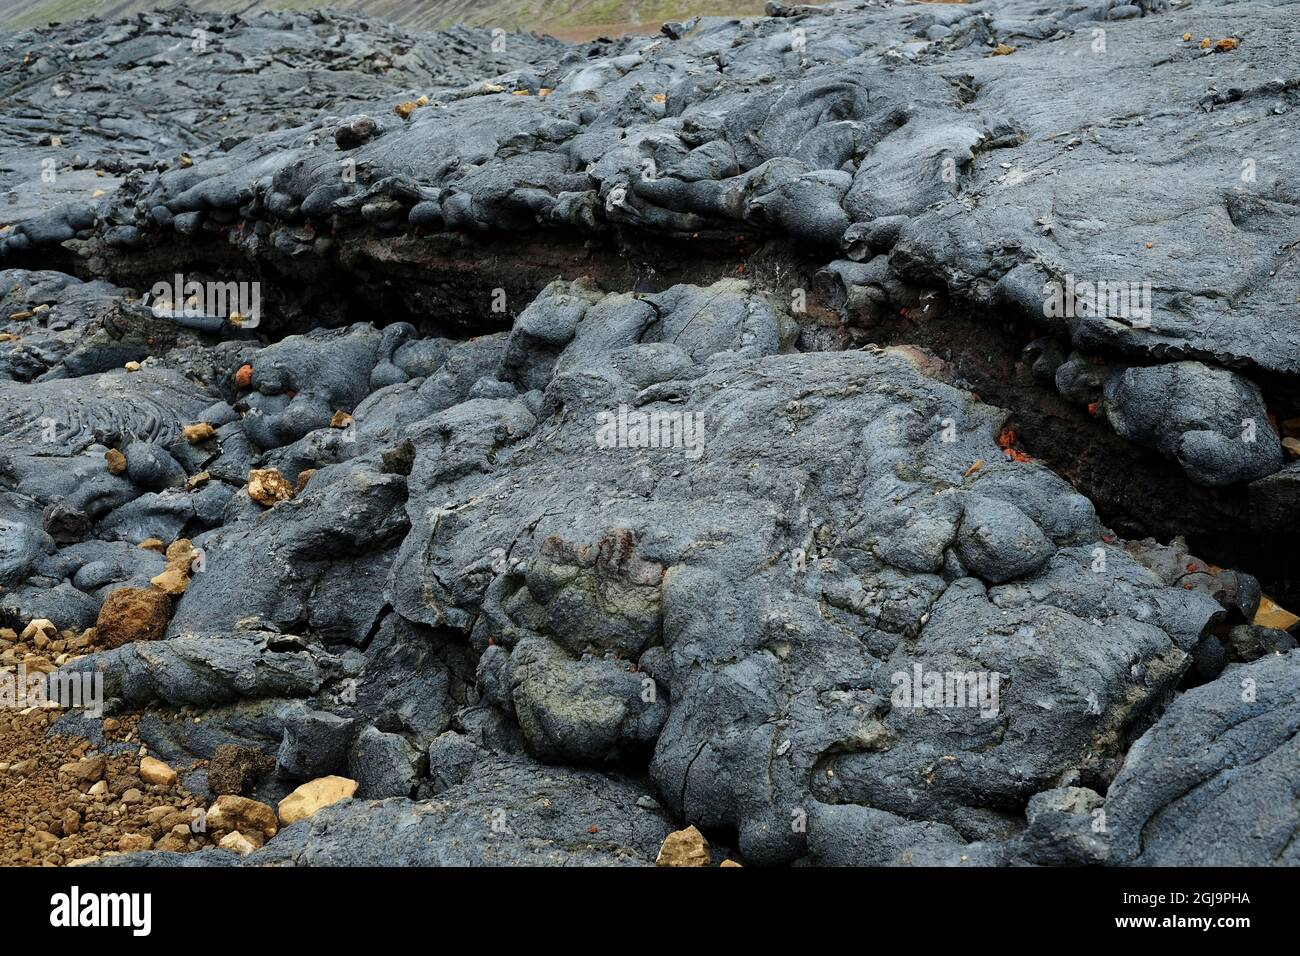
x: 410, y: 106
x: 1271, y: 614
x: 199, y: 432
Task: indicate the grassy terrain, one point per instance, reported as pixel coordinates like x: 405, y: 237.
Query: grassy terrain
x: 569, y: 17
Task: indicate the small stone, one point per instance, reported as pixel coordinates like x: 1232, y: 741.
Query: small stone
x: 268, y: 487
x: 171, y: 582
x: 200, y: 432
x: 304, y: 476
x: 1271, y: 614
x: 132, y: 366
x: 684, y: 848
x: 156, y: 815
x: 236, y: 769
x: 410, y: 106
x: 98, y: 790
x: 134, y: 843
x: 1247, y: 642
x: 86, y: 770
x: 181, y: 554
x: 156, y: 773
x: 232, y: 812
x: 41, y: 626
x: 729, y: 863
x: 315, y: 795
x: 244, y: 377
x: 237, y: 842
x: 133, y: 614
x: 176, y: 840
x: 152, y: 544
x: 341, y: 419
x: 197, y: 480
x: 354, y: 131
x: 172, y: 819
x: 116, y: 461
x: 132, y: 795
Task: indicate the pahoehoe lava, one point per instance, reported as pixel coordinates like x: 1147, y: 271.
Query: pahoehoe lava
x: 867, y: 434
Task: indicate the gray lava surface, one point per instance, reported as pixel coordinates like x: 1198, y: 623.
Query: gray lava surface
x: 676, y: 430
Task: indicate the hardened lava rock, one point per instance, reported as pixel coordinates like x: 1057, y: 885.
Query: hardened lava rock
x: 654, y: 537
x: 733, y: 605
x: 1090, y: 155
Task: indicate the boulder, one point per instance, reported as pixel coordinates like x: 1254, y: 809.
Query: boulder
x: 232, y: 812
x: 132, y: 614
x: 314, y: 795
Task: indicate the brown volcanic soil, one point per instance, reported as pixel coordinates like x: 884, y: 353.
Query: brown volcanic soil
x: 50, y: 818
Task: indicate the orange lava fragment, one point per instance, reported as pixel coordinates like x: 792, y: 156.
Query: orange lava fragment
x: 1006, y: 441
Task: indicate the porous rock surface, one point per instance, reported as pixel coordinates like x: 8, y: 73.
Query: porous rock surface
x: 532, y: 632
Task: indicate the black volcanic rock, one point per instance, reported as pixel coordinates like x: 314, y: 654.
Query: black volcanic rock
x: 603, y: 455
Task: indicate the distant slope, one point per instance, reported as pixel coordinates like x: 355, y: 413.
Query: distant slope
x: 567, y: 17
